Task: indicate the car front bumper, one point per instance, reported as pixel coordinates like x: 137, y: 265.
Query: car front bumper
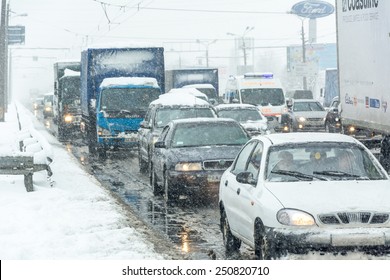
x: 199, y: 181
x: 302, y: 240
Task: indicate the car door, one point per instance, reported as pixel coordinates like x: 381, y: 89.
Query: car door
x: 231, y: 189
x: 246, y: 193
x: 159, y: 154
x: 143, y: 133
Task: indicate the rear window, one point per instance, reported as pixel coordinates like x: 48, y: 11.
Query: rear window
x: 165, y: 115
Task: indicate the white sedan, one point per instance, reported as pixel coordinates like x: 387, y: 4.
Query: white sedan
x: 305, y: 191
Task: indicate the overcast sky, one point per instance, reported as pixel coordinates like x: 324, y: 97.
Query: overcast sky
x: 174, y: 24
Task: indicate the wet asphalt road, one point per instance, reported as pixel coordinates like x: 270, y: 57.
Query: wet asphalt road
x: 190, y: 226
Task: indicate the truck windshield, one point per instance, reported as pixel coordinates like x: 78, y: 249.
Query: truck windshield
x: 70, y: 90
x: 117, y: 99
x: 263, y: 96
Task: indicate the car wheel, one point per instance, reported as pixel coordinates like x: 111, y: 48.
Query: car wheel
x: 264, y: 249
x: 153, y: 182
x: 170, y: 194
x: 143, y: 167
x: 232, y: 244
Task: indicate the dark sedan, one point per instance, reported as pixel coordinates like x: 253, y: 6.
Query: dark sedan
x: 191, y: 155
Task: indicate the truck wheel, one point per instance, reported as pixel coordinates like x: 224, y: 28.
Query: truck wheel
x: 101, y: 152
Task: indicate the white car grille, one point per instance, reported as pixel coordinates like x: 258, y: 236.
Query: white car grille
x: 348, y: 218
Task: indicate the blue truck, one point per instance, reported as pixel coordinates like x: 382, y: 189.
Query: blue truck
x: 117, y: 85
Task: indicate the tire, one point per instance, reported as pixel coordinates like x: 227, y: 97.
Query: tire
x: 101, y: 152
x: 143, y: 166
x: 232, y: 244
x: 264, y: 248
x: 157, y: 191
x: 170, y: 195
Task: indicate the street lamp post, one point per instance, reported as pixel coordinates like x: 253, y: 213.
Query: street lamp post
x: 242, y: 37
x: 206, y: 44
x: 3, y: 65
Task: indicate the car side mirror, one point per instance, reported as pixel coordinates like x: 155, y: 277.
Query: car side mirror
x: 144, y: 124
x: 160, y: 144
x: 246, y: 178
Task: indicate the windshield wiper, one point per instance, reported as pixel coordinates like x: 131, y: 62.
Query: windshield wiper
x: 340, y: 174
x: 298, y: 175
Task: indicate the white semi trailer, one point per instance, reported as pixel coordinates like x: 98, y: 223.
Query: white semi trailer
x: 363, y: 42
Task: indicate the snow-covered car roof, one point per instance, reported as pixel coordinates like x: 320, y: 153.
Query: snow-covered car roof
x: 179, y: 98
x: 203, y: 120
x: 234, y: 106
x: 306, y: 137
x: 199, y: 86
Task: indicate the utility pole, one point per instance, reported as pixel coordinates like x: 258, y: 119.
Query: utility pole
x: 304, y: 56
x: 2, y: 59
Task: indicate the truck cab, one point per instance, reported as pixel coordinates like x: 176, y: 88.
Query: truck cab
x: 120, y: 108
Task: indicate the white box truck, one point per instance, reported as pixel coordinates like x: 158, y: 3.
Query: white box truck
x: 363, y: 41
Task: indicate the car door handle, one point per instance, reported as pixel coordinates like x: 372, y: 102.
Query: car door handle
x: 226, y: 183
x: 238, y: 191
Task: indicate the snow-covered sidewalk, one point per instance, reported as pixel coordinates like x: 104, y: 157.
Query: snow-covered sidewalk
x: 75, y: 219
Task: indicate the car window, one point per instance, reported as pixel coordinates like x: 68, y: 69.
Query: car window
x: 255, y: 161
x: 240, y: 163
x: 307, y: 107
x: 165, y: 115
x: 240, y: 115
x: 222, y: 133
x: 330, y: 161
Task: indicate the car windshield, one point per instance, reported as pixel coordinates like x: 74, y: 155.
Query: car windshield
x: 240, y: 115
x: 165, y: 115
x: 117, y: 99
x: 208, y: 134
x: 307, y: 107
x: 263, y: 96
x: 322, y: 161
x: 210, y: 92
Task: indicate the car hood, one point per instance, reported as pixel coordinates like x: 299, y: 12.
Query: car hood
x: 193, y: 154
x: 311, y: 114
x: 318, y: 197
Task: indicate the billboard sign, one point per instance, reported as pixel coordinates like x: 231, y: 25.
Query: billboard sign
x: 16, y: 34
x: 312, y: 9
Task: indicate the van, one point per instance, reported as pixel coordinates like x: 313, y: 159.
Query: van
x: 260, y: 89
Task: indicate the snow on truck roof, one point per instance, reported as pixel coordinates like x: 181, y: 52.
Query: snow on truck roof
x: 123, y: 81
x: 69, y: 72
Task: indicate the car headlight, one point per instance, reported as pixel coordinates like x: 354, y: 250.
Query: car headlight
x: 103, y: 132
x: 336, y: 119
x: 68, y: 118
x: 48, y: 109
x: 293, y: 217
x: 301, y: 119
x: 188, y: 166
